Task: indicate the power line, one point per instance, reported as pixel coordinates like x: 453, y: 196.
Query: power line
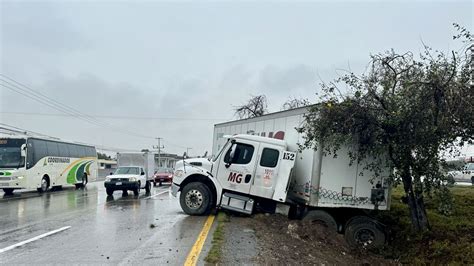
x: 119, y: 117
x: 41, y: 98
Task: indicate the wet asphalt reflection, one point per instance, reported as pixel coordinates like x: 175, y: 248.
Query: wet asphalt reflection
x: 123, y: 229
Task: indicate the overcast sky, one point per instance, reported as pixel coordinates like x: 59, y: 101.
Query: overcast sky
x: 186, y: 64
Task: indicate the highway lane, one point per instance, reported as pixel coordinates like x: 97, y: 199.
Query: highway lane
x: 123, y: 229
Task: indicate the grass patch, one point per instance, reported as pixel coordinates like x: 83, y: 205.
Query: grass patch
x: 214, y: 255
x: 450, y: 240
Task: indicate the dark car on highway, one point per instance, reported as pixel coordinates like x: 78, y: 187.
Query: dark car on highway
x: 163, y: 174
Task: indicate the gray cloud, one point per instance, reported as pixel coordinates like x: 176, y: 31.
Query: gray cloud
x: 193, y: 61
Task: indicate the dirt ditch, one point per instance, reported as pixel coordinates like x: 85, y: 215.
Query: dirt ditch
x: 283, y: 241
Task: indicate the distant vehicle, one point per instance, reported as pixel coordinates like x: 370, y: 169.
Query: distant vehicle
x: 39, y: 163
x: 127, y: 178
x: 146, y: 160
x: 163, y: 174
x: 465, y: 175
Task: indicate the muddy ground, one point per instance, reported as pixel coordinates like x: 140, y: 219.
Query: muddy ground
x: 279, y: 240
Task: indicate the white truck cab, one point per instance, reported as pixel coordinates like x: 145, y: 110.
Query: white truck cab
x: 248, y: 170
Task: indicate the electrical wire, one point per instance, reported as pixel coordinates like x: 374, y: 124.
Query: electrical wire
x: 24, y: 90
x: 29, y: 132
x: 121, y: 117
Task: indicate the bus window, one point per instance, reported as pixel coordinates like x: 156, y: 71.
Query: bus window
x: 63, y: 150
x: 40, y: 150
x: 52, y: 148
x: 73, y: 152
x: 91, y: 152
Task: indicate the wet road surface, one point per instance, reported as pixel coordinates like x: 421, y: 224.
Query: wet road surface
x: 115, y: 230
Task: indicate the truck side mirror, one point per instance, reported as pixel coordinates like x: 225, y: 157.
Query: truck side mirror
x: 143, y: 173
x: 23, y: 150
x: 111, y: 173
x: 231, y: 156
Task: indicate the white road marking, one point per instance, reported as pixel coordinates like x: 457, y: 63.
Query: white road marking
x: 34, y: 239
x: 157, y: 194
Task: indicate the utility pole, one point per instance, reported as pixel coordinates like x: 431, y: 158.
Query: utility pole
x: 159, y: 147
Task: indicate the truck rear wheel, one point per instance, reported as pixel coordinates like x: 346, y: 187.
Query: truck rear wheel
x: 195, y: 199
x: 147, y: 187
x: 364, y: 232
x: 321, y: 217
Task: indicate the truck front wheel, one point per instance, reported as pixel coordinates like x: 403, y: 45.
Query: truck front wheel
x: 109, y: 191
x: 195, y: 199
x: 364, y: 232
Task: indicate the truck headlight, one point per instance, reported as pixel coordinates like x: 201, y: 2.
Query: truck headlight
x: 178, y: 173
x: 133, y: 179
x: 107, y: 179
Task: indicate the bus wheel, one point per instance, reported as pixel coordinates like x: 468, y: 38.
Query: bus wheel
x: 8, y: 191
x: 364, y: 232
x: 321, y: 217
x: 44, y: 185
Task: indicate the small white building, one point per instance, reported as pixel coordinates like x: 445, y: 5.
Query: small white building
x: 107, y: 164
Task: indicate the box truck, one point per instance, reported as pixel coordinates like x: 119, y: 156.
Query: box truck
x: 258, y: 163
x: 141, y: 159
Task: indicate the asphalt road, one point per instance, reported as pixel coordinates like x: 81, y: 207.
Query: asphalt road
x: 96, y: 229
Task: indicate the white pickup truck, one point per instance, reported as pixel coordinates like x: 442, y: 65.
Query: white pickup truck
x: 127, y: 178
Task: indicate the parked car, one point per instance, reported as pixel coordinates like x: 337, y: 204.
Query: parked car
x: 127, y: 178
x: 465, y: 175
x: 163, y: 174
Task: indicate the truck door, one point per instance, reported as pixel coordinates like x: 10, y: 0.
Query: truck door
x: 237, y: 167
x: 266, y: 172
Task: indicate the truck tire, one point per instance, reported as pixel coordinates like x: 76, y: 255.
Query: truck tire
x: 321, y: 217
x: 136, y: 190
x: 109, y: 191
x: 8, y: 191
x: 195, y: 199
x: 364, y: 233
x: 147, y: 187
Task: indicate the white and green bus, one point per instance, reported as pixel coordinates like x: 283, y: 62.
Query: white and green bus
x: 38, y: 163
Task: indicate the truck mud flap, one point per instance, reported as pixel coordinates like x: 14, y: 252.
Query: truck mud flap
x: 237, y: 203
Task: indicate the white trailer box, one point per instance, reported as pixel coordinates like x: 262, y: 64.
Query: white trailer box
x: 316, y: 180
x: 143, y: 159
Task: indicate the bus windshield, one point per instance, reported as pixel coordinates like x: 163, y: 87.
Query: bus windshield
x: 10, y: 153
x: 127, y: 171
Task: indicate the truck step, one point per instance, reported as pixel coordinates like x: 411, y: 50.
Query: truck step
x: 238, y: 203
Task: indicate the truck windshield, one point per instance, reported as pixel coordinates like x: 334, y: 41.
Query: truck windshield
x: 127, y: 171
x: 10, y: 153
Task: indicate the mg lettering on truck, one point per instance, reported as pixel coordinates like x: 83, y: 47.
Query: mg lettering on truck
x: 235, y: 177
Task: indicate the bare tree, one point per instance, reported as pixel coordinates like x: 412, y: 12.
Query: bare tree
x: 256, y: 106
x: 293, y: 103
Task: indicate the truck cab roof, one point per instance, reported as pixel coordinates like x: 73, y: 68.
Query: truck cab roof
x: 277, y: 142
